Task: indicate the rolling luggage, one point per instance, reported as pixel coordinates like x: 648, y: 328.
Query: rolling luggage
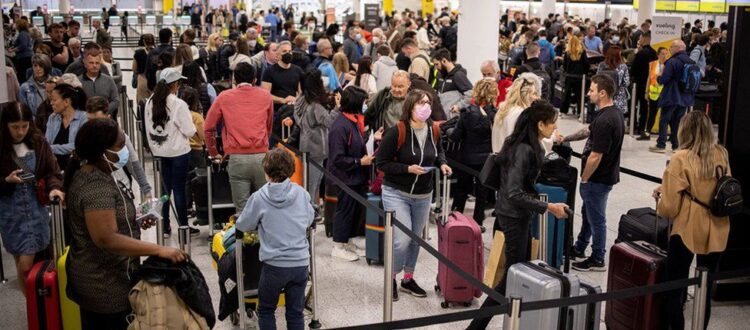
x: 220, y: 199
x: 460, y: 240
x: 558, y: 239
x: 374, y: 232
x: 329, y: 208
x: 534, y: 281
x: 43, y: 308
x: 642, y: 224
x: 586, y: 317
x: 634, y: 264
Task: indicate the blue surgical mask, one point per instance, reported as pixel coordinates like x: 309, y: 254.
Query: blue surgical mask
x: 122, y: 158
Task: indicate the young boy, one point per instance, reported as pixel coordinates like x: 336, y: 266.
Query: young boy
x: 281, y: 212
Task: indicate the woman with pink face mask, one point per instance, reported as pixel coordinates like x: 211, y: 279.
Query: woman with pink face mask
x: 410, y: 155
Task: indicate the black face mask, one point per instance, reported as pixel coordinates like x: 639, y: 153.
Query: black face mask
x: 286, y: 58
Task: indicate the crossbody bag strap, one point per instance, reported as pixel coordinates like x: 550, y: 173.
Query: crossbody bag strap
x: 692, y: 198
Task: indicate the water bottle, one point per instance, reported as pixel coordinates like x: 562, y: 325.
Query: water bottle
x: 152, y: 208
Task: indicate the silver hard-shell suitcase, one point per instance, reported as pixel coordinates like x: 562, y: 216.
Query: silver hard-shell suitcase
x: 535, y: 281
x: 587, y: 316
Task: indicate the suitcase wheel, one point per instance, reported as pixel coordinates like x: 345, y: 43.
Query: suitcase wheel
x: 235, y: 318
x: 444, y: 304
x: 467, y: 304
x: 437, y: 288
x: 369, y: 261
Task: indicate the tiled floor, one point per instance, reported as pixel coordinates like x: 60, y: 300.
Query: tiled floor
x: 351, y: 293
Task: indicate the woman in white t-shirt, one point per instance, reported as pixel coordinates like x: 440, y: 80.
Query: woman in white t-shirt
x: 525, y: 90
x: 169, y: 128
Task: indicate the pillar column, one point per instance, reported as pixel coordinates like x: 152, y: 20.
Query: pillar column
x: 646, y: 10
x: 64, y: 7
x: 478, y: 32
x: 548, y: 7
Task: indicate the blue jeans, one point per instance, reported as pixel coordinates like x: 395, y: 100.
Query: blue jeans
x: 174, y: 175
x: 670, y: 116
x: 594, y: 210
x: 413, y: 213
x: 272, y: 280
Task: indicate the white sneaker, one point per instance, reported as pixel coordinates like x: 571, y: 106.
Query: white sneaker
x: 353, y: 248
x: 340, y: 251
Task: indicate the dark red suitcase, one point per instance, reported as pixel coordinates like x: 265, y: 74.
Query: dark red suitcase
x: 42, y: 297
x: 634, y: 264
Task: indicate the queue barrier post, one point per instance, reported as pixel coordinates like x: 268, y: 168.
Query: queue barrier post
x: 157, y: 192
x: 701, y: 295
x: 543, y: 231
x: 183, y: 238
x: 314, y: 321
x: 513, y: 320
x: 582, y: 104
x: 632, y: 110
x: 388, y: 266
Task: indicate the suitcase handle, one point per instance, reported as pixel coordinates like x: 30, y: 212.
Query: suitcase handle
x: 445, y: 197
x: 58, y: 233
x: 656, y: 225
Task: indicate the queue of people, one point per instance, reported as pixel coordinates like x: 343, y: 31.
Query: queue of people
x: 341, y: 98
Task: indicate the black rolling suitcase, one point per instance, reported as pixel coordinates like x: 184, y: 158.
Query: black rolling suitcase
x: 642, y: 224
x: 221, y: 197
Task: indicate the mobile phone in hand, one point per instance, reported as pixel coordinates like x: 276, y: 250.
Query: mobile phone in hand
x: 26, y: 176
x: 429, y: 168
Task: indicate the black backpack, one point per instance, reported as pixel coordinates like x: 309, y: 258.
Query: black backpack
x: 727, y: 197
x: 546, y: 80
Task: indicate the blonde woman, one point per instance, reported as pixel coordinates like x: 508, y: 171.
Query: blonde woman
x: 341, y: 65
x: 524, y: 91
x: 575, y: 66
x: 212, y: 47
x: 474, y: 130
x: 695, y: 231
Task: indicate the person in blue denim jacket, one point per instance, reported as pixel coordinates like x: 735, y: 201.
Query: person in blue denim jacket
x: 33, y: 91
x: 24, y: 221
x: 63, y: 124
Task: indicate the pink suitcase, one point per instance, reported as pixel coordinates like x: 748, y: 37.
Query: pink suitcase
x: 460, y: 240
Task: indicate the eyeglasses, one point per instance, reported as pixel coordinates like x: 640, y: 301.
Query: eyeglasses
x: 423, y: 102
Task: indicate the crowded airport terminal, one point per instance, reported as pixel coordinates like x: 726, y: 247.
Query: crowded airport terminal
x: 375, y: 164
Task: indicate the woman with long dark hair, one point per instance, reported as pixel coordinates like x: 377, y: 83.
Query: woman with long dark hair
x: 409, y: 181
x: 140, y: 58
x: 364, y: 78
x: 169, y: 127
x: 312, y: 115
x: 521, y: 160
x: 68, y: 103
x: 25, y: 158
x: 105, y: 238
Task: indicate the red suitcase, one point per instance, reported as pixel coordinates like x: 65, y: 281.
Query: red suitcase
x: 460, y: 240
x: 634, y: 264
x: 42, y: 297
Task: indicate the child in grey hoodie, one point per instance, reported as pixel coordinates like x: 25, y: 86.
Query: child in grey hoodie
x: 281, y: 212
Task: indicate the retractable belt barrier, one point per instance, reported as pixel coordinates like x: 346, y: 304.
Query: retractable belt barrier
x: 416, y: 237
x: 505, y: 306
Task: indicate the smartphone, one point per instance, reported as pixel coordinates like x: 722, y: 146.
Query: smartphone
x: 429, y: 168
x: 26, y: 177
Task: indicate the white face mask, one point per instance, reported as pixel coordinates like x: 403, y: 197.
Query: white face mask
x: 252, y: 43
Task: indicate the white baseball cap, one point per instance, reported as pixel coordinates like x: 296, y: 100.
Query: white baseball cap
x: 170, y: 75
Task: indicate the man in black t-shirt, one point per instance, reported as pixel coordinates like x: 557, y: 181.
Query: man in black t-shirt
x: 60, y: 54
x: 600, y: 170
x: 283, y: 81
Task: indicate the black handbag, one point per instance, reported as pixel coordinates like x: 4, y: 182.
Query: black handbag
x: 489, y: 176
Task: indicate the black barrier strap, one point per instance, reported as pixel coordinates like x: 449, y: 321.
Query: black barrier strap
x: 609, y: 296
x: 625, y: 170
x: 441, y: 258
x: 462, y: 167
x: 729, y: 274
x: 432, y: 320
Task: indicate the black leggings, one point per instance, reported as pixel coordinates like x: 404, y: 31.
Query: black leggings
x: 517, y: 249
x: 679, y: 258
x: 465, y: 185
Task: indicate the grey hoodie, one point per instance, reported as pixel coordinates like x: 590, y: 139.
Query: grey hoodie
x: 281, y: 212
x: 314, y: 121
x: 383, y: 71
